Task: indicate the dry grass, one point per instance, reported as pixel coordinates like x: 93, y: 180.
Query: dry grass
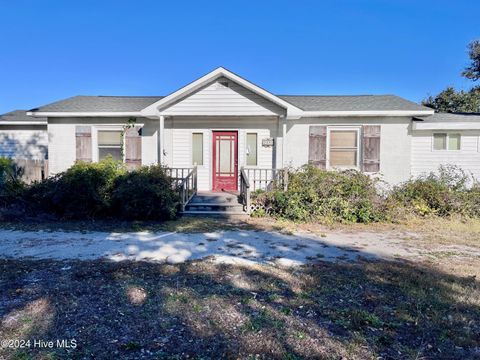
x: 432, y: 230
x: 199, y: 310
x: 185, y: 224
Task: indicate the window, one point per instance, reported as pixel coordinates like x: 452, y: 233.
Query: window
x: 251, y: 149
x: 110, y: 143
x: 454, y: 142
x: 444, y: 141
x: 343, y: 149
x: 197, y: 149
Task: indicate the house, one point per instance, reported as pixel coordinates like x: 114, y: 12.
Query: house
x: 222, y: 123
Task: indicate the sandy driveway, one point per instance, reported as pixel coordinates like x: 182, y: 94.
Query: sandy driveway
x: 221, y: 246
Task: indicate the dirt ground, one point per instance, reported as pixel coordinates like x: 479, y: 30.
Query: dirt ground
x: 255, y: 241
x: 223, y: 246
x: 426, y: 307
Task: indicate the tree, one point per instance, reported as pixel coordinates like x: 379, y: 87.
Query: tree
x: 472, y: 72
x: 450, y: 100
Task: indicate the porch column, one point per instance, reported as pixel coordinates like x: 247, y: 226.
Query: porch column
x: 283, y: 124
x: 161, y: 141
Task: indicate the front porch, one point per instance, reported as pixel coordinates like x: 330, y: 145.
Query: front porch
x: 228, y: 202
x: 221, y: 138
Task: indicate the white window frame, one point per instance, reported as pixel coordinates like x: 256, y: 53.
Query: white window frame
x: 96, y: 147
x: 203, y: 147
x: 358, y: 129
x: 246, y: 145
x: 448, y: 133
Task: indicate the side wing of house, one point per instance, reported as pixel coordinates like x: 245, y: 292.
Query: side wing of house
x: 446, y: 139
x: 23, y: 142
x: 22, y: 137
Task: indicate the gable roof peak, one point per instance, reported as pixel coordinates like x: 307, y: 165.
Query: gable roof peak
x: 220, y: 71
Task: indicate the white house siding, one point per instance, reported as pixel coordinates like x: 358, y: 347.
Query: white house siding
x: 24, y: 141
x: 150, y: 142
x: 395, y: 142
x: 426, y: 160
x: 61, y: 139
x: 217, y: 99
x: 178, y: 140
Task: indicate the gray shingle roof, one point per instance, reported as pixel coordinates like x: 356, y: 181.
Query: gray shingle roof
x: 351, y: 103
x: 446, y: 117
x: 20, y: 116
x: 307, y: 103
x: 100, y: 103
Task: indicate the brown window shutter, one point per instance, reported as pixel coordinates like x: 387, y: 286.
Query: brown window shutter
x: 371, y: 148
x: 83, y: 140
x: 133, y: 148
x: 317, y: 148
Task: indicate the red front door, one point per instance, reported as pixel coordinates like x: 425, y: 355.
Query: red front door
x: 225, y: 160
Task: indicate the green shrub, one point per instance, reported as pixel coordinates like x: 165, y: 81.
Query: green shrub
x: 81, y: 192
x: 144, y: 194
x: 441, y: 193
x: 11, y: 185
x: 350, y: 196
x: 315, y: 194
x: 471, y: 201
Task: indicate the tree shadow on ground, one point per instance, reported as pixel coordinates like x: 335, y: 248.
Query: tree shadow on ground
x: 395, y: 310
x: 231, y: 245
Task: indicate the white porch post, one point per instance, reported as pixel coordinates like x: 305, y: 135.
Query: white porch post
x: 283, y: 123
x: 161, y: 141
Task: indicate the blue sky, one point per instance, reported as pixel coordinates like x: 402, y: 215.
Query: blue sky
x: 51, y: 50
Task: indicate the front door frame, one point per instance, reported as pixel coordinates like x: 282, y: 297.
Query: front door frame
x: 235, y: 149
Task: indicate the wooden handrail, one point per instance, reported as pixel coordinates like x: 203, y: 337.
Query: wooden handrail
x: 186, y: 186
x: 267, y: 178
x: 245, y: 190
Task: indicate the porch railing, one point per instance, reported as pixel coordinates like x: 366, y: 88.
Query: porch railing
x: 267, y: 179
x: 185, y: 182
x: 178, y: 174
x: 245, y: 190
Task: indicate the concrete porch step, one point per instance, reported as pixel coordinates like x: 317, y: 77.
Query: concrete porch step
x: 211, y: 206
x: 221, y: 204
x: 217, y: 214
x: 216, y: 198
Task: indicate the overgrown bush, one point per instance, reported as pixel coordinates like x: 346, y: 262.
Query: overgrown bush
x: 11, y: 185
x: 81, y: 192
x: 144, y: 194
x: 314, y: 194
x: 446, y: 192
x: 107, y: 190
x: 351, y: 196
x: 102, y: 190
